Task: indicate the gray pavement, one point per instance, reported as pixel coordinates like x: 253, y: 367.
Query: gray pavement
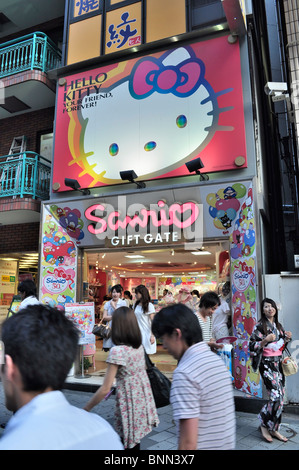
x: 163, y: 437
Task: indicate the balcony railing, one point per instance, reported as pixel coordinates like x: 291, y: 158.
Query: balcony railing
x: 24, y: 174
x: 32, y: 52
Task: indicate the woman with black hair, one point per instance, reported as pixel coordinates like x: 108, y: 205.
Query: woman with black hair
x: 27, y: 290
x: 128, y: 298
x: 109, y: 308
x: 145, y: 312
x: 266, y: 345
x: 135, y: 410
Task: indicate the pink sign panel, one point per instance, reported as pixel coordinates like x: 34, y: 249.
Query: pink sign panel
x: 152, y: 115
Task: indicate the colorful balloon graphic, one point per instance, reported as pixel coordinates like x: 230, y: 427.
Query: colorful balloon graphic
x: 224, y: 205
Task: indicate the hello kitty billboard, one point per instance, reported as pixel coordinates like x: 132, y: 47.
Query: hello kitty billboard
x: 152, y: 114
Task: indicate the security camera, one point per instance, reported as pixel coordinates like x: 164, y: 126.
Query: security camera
x: 275, y: 88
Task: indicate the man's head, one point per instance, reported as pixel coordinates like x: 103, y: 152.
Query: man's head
x: 27, y: 288
x: 209, y: 302
x: 40, y: 347
x: 178, y: 327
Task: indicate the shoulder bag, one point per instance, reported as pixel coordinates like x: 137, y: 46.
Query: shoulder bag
x: 289, y: 365
x: 159, y: 382
x: 102, y: 331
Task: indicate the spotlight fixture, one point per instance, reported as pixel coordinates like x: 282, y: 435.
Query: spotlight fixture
x: 75, y: 186
x: 130, y: 175
x: 196, y: 165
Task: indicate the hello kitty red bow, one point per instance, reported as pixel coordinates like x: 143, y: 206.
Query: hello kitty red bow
x: 150, y: 75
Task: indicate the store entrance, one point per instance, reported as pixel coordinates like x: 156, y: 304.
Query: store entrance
x: 171, y: 274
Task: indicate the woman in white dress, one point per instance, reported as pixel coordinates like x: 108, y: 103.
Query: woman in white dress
x: 145, y: 311
x: 109, y: 308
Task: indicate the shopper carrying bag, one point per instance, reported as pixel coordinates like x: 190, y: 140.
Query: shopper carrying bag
x: 135, y: 410
x: 289, y: 365
x: 266, y: 344
x: 159, y: 382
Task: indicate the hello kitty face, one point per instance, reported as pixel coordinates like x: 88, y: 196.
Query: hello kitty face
x: 154, y: 120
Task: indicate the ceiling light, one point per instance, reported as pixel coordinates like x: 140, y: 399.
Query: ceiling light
x: 134, y: 256
x: 196, y: 253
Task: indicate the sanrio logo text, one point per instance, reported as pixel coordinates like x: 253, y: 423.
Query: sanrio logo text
x: 135, y: 223
x: 55, y: 285
x: 241, y: 280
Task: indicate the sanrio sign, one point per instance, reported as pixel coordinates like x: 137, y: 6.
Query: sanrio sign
x: 152, y: 114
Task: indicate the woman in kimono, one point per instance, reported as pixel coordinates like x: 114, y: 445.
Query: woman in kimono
x: 266, y: 345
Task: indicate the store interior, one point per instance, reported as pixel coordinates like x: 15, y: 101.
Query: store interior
x: 171, y: 268
x: 174, y: 268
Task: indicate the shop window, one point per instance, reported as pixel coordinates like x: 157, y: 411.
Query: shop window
x: 98, y: 27
x: 206, y: 12
x: 45, y: 148
x: 165, y: 19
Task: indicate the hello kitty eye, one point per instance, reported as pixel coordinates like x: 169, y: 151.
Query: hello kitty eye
x: 113, y: 149
x: 181, y: 121
x: 150, y: 146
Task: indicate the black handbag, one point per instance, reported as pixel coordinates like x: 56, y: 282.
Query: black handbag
x: 102, y: 331
x: 159, y: 382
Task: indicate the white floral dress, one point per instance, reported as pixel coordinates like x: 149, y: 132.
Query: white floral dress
x: 135, y: 412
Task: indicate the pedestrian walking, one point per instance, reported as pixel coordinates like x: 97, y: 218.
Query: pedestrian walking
x: 145, y: 311
x: 27, y: 290
x: 201, y: 393
x: 266, y: 345
x: 109, y: 308
x: 135, y: 410
x: 208, y: 304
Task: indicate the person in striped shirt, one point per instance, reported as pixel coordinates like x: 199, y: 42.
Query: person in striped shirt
x: 208, y: 304
x: 201, y: 393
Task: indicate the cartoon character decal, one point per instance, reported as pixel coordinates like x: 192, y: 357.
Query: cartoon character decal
x: 173, y: 82
x: 244, y: 295
x: 70, y: 220
x: 232, y: 210
x: 58, y: 263
x: 152, y: 114
x: 224, y: 205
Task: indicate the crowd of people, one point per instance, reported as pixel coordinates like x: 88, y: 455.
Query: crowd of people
x: 41, y: 345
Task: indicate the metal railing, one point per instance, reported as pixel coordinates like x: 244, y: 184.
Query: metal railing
x: 25, y: 174
x: 31, y: 52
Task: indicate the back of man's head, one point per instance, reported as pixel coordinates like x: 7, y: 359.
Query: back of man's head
x: 168, y: 319
x: 27, y: 287
x: 42, y: 343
